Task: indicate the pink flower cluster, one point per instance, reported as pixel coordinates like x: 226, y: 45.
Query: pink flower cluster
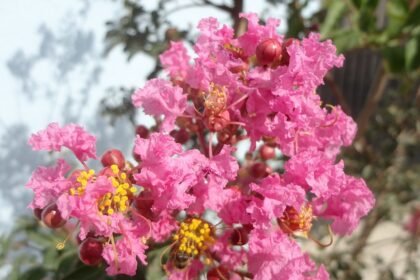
x: 258, y: 86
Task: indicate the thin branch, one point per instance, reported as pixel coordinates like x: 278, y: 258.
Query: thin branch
x: 217, y: 6
x: 337, y: 92
x: 374, y: 97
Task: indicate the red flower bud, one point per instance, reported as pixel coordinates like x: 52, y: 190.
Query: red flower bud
x: 113, y: 156
x: 268, y: 51
x: 181, y: 136
x: 267, y: 152
x: 239, y: 236
x: 142, y: 131
x: 260, y: 170
x: 51, y: 216
x: 90, y: 251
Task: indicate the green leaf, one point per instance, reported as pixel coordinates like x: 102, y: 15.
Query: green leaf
x: 397, y: 11
x: 414, y: 16
x: 347, y: 39
x: 85, y: 273
x: 36, y: 273
x: 334, y: 14
x: 394, y: 57
x: 412, y: 56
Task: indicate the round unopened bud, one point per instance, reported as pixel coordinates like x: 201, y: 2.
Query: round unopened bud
x: 112, y: 157
x: 51, y: 216
x: 267, y: 152
x: 181, y: 136
x: 218, y: 273
x: 239, y: 236
x: 142, y: 131
x: 268, y: 51
x: 259, y: 170
x: 90, y: 251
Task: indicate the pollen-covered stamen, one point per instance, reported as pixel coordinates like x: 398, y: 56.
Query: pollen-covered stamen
x: 193, y: 238
x: 81, y: 182
x: 119, y: 200
x: 215, y: 100
x: 236, y: 51
x: 293, y: 222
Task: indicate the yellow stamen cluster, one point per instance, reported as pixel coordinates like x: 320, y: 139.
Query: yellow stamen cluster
x: 193, y: 237
x: 293, y: 221
x: 215, y: 99
x: 82, y: 181
x: 117, y: 201
x: 237, y: 51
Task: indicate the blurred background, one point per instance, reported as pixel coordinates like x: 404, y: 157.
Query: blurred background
x: 79, y: 61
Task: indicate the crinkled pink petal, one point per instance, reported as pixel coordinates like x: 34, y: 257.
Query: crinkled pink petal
x: 159, y: 97
x: 163, y: 227
x: 157, y: 148
x: 72, y: 136
x: 273, y: 255
x: 48, y: 183
x: 176, y: 61
x: 276, y: 196
x: 346, y: 209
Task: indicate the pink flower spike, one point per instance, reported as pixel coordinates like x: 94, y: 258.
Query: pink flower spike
x: 72, y: 136
x: 160, y: 97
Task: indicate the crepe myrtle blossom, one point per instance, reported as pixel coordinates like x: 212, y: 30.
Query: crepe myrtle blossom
x: 98, y: 201
x: 258, y: 86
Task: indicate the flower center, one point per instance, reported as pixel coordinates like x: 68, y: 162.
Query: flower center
x: 215, y: 100
x: 81, y: 182
x: 293, y: 221
x: 193, y: 237
x: 119, y: 200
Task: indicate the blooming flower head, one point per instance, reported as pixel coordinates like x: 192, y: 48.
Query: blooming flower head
x: 258, y: 86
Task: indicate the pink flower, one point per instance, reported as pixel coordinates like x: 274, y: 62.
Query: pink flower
x: 168, y: 172
x: 48, y: 183
x: 122, y: 259
x: 276, y: 195
x: 273, y: 255
x: 176, y: 61
x: 339, y: 197
x: 72, y: 136
x: 160, y: 97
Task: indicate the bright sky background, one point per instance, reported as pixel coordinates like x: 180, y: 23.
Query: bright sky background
x: 52, y: 68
